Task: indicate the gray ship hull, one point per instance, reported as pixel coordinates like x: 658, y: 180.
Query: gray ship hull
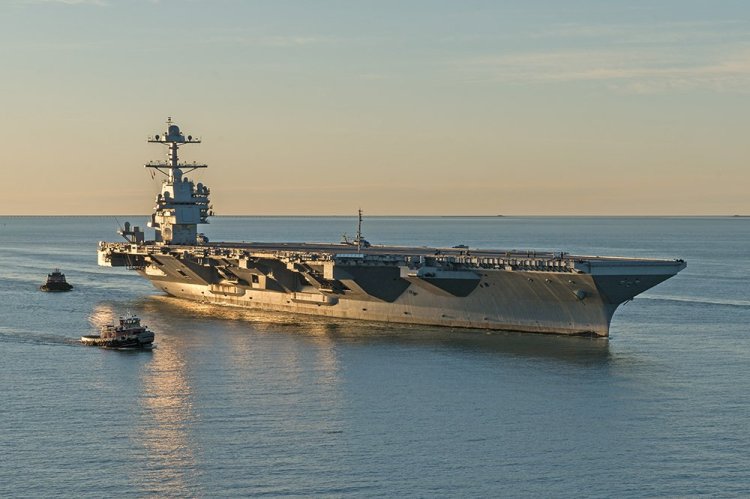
x: 527, y: 292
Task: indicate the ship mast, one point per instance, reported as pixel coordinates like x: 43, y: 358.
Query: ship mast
x: 173, y: 138
x: 181, y: 205
x: 359, y: 231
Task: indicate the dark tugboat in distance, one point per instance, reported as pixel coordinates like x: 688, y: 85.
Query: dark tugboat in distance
x: 128, y: 334
x: 56, y: 282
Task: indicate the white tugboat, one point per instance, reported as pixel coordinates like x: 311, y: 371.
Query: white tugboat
x: 528, y: 291
x: 129, y: 333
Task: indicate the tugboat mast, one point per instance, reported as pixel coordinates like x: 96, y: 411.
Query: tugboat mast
x: 181, y: 205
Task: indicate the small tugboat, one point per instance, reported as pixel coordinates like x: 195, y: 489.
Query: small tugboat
x: 56, y: 282
x: 128, y: 334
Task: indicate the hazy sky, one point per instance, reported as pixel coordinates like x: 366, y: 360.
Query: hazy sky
x: 399, y: 107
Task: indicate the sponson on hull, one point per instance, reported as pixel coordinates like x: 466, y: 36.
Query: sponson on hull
x: 528, y: 291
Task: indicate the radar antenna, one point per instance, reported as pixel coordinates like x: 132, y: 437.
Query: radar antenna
x: 173, y: 138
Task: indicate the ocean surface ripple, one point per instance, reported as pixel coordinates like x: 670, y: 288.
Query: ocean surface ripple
x: 242, y: 403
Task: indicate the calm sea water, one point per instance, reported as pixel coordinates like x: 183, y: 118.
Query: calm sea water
x: 236, y: 403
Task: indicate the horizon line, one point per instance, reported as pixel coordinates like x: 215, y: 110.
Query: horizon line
x: 736, y: 215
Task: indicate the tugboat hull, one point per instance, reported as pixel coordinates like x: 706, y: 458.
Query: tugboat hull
x: 56, y: 287
x: 142, y: 341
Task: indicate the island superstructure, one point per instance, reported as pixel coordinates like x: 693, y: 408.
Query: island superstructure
x: 528, y: 291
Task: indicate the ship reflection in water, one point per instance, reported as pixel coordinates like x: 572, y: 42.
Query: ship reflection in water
x: 167, y: 416
x: 102, y: 314
x: 165, y: 413
x: 220, y: 391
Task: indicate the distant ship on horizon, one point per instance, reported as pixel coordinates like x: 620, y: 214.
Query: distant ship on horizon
x: 528, y: 291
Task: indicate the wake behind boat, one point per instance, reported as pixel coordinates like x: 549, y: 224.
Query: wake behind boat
x: 129, y: 333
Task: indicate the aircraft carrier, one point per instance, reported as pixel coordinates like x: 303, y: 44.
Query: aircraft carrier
x: 536, y: 292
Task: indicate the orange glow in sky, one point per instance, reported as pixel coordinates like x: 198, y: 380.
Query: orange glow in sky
x: 420, y: 107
